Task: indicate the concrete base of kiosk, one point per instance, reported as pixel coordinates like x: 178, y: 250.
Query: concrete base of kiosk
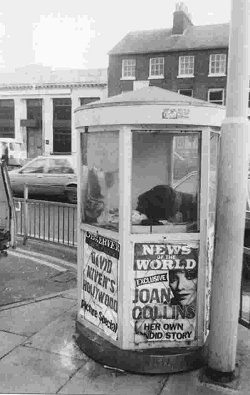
x: 150, y: 361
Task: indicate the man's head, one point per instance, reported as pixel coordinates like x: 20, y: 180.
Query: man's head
x: 164, y: 203
x: 157, y: 203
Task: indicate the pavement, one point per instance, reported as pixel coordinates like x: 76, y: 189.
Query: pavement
x: 39, y: 353
x: 36, y: 269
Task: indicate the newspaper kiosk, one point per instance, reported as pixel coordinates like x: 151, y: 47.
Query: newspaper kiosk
x: 147, y: 164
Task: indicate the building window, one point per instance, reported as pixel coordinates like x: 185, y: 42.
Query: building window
x: 87, y: 100
x: 217, y: 64
x: 128, y: 69
x: 186, y: 66
x: 156, y: 68
x: 62, y: 140
x: 7, y: 118
x: 62, y: 125
x: 186, y: 92
x: 62, y: 109
x: 216, y: 96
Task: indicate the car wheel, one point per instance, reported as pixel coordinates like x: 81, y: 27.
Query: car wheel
x: 71, y: 195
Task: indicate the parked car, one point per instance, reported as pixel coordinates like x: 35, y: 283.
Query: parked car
x: 47, y: 176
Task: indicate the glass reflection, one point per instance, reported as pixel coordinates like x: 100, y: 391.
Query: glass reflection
x: 100, y: 186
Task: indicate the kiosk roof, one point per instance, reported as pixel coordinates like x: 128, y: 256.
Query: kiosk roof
x: 150, y: 95
x: 149, y: 105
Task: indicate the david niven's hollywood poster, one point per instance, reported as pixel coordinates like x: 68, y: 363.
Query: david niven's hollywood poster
x: 165, y: 290
x: 99, y: 303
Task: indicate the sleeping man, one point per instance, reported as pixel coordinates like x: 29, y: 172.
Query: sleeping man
x: 164, y: 203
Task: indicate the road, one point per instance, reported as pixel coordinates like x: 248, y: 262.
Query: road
x: 26, y: 274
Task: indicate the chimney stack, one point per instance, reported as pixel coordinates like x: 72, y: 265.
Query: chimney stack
x: 182, y: 19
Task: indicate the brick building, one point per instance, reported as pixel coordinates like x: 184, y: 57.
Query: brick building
x: 184, y: 58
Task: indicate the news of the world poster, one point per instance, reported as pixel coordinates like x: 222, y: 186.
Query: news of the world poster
x: 164, y: 292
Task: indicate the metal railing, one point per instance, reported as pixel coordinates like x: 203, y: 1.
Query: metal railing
x: 244, y: 315
x: 55, y: 222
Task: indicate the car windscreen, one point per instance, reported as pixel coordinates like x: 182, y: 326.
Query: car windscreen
x: 36, y: 166
x: 60, y: 166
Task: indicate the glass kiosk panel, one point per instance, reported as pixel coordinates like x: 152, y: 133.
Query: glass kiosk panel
x: 165, y: 182
x: 100, y: 186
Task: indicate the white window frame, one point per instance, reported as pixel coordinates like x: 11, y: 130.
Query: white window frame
x: 157, y: 63
x: 186, y: 89
x: 186, y: 63
x: 216, y: 90
x: 221, y: 59
x: 126, y: 65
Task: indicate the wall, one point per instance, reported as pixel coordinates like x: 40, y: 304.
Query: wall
x: 200, y: 83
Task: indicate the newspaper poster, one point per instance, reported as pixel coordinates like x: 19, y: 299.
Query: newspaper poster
x: 165, y: 290
x: 99, y: 303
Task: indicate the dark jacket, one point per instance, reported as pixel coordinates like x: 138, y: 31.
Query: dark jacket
x: 162, y: 203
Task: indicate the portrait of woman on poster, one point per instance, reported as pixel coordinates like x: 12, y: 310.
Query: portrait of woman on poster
x: 183, y: 284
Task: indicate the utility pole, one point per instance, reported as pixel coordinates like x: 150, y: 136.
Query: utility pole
x: 231, y: 201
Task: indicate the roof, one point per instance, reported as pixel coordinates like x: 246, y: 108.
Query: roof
x: 37, y: 74
x: 50, y: 85
x: 149, y: 95
x: 162, y: 40
x: 149, y: 106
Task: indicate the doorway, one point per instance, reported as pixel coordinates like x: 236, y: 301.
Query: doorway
x: 34, y: 142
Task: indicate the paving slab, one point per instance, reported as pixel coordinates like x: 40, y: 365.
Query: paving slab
x: 28, y: 319
x: 8, y: 341
x: 55, y: 250
x: 27, y: 370
x: 58, y: 337
x: 25, y: 277
x: 71, y: 293
x: 191, y: 383
x: 93, y: 378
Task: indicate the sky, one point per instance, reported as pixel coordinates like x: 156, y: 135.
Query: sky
x: 80, y: 33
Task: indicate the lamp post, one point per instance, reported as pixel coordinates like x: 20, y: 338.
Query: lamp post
x: 231, y: 201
